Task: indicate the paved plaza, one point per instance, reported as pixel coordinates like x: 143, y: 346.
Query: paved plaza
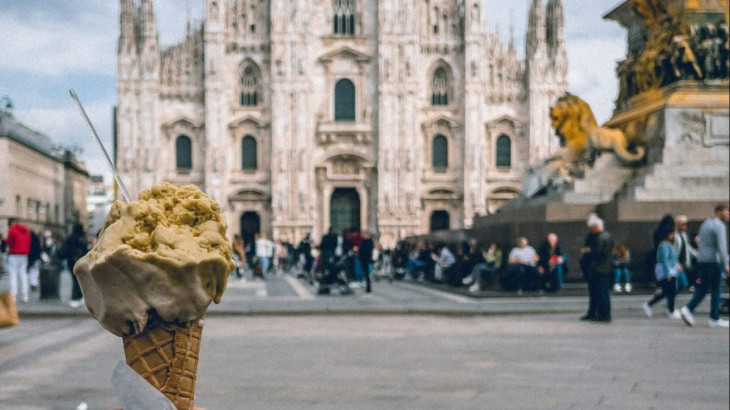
x: 278, y: 345
x: 550, y: 361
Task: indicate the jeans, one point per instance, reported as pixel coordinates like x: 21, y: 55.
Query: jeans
x: 681, y: 280
x: 669, y: 291
x: 711, y: 276
x: 265, y: 262
x: 620, y: 272
x: 18, y: 269
x: 412, y: 264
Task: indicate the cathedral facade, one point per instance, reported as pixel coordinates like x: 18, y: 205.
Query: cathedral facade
x: 396, y: 116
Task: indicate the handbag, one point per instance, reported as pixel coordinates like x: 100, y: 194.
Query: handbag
x: 8, y: 311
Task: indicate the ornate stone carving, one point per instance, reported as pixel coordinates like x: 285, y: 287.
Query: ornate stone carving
x: 343, y: 166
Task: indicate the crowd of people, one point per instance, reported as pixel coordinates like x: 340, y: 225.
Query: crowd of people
x: 25, y: 252
x: 353, y: 258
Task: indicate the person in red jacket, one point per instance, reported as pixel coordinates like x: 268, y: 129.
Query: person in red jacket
x: 18, y: 244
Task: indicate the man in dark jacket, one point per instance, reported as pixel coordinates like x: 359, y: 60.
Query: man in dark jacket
x: 365, y: 254
x: 34, y: 260
x: 596, y: 265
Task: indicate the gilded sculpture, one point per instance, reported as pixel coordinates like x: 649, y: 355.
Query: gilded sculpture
x: 582, y: 137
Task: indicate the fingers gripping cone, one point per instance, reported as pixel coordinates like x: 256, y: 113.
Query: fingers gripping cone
x: 166, y: 355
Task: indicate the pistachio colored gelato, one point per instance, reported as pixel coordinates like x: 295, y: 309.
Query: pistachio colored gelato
x: 166, y: 253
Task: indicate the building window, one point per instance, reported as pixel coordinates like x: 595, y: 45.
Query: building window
x: 440, y: 152
x: 344, y: 100
x: 344, y: 16
x: 249, y: 153
x: 440, y: 87
x: 250, y: 95
x: 504, y: 151
x: 183, y: 153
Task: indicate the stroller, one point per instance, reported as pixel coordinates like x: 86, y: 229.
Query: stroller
x: 329, y: 275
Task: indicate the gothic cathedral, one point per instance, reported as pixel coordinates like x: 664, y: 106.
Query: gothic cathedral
x: 396, y: 116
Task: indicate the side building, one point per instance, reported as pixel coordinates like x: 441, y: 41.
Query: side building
x: 41, y: 185
x: 393, y: 116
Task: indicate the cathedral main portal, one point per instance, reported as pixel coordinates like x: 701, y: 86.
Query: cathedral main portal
x: 344, y: 209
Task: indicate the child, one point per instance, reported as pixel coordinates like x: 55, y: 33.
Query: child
x: 620, y: 260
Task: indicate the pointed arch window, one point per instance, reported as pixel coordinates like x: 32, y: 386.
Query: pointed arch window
x: 440, y: 152
x: 504, y: 152
x: 249, y: 153
x: 183, y: 153
x: 344, y: 100
x: 343, y: 17
x: 440, y: 87
x: 249, y: 86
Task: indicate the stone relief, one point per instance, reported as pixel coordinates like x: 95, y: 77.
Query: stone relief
x: 345, y: 167
x: 693, y: 127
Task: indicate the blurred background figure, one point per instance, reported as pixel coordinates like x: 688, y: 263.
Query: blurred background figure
x: 620, y: 261
x: 72, y: 250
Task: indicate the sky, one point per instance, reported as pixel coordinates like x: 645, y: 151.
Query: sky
x: 50, y: 46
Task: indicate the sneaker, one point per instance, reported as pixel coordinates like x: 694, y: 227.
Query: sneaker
x: 627, y: 288
x: 474, y: 288
x: 467, y: 280
x: 718, y: 323
x: 617, y: 288
x: 687, y: 317
x: 647, y: 309
x: 674, y: 315
x: 75, y: 303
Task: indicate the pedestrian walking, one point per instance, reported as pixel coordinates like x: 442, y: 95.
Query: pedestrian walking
x: 72, y: 250
x: 685, y: 253
x: 265, y: 253
x: 712, y: 259
x: 365, y: 254
x: 666, y: 270
x: 34, y: 261
x: 18, y: 245
x: 239, y: 255
x: 596, y: 265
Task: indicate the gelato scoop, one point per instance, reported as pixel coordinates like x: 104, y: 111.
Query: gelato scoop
x: 165, y: 255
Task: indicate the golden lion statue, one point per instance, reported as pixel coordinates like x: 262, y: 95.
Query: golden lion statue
x: 573, y: 121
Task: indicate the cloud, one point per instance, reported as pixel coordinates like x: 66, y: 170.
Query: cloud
x: 47, y: 41
x: 591, y: 74
x: 66, y: 127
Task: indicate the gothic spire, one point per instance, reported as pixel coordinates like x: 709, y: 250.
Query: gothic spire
x: 535, y: 29
x: 555, y: 35
x: 148, y: 25
x: 127, y: 24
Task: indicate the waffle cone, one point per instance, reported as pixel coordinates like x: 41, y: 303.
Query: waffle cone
x: 166, y: 355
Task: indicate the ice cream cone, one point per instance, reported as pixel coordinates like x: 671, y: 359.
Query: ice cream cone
x: 166, y: 355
